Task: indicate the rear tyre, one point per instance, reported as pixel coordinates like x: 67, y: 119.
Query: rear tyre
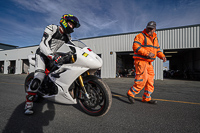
x: 28, y: 80
x: 100, y: 98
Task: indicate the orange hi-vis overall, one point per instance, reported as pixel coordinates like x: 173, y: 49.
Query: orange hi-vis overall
x: 144, y: 44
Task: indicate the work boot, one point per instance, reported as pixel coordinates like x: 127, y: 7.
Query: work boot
x: 131, y: 99
x: 28, y: 108
x: 151, y: 102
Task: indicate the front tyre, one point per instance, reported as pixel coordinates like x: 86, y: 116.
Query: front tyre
x: 100, y: 98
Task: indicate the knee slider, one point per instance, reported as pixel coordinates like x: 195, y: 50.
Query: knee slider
x: 35, y: 84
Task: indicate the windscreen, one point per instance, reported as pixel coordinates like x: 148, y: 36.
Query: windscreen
x: 68, y: 48
x: 78, y: 43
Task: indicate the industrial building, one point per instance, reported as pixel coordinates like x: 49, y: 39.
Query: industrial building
x: 181, y: 45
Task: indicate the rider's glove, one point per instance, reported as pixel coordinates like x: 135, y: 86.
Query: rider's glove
x: 57, y: 59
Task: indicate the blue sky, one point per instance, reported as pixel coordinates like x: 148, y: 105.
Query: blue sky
x: 22, y: 22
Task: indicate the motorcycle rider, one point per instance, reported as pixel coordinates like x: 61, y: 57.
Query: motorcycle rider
x: 53, y: 38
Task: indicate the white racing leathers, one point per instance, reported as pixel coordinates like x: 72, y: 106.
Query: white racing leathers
x: 51, y: 41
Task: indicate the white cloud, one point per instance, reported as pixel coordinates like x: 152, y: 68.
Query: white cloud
x: 104, y: 17
x: 102, y: 14
x: 88, y: 12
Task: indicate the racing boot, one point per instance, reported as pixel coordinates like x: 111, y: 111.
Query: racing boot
x: 29, y: 103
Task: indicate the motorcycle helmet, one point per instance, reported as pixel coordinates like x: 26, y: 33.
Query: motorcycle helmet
x: 66, y: 18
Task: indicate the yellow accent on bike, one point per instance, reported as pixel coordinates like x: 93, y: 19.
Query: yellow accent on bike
x: 85, y: 54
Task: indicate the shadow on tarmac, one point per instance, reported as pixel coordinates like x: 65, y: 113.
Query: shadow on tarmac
x: 118, y: 97
x: 18, y: 122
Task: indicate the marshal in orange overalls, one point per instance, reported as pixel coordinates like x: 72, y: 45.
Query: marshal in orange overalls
x: 144, y: 44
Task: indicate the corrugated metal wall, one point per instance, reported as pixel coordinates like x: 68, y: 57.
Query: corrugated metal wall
x: 172, y: 38
x: 105, y: 45
x: 178, y: 38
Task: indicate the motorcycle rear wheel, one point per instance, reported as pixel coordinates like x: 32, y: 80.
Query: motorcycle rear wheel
x: 100, y: 98
x: 28, y: 80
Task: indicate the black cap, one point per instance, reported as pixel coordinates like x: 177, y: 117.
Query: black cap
x: 151, y: 25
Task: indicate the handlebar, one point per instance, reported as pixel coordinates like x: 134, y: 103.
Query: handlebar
x: 65, y: 59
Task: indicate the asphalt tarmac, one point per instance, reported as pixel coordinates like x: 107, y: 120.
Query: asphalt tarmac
x: 177, y: 111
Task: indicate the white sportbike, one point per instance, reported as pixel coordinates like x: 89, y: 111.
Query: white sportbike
x: 71, y: 82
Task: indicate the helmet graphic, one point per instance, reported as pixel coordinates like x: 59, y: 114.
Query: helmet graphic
x: 66, y: 18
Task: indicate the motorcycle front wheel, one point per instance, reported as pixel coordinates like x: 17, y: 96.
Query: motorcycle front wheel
x: 100, y: 97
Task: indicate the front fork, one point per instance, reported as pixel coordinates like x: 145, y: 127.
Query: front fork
x: 82, y: 86
x: 80, y: 78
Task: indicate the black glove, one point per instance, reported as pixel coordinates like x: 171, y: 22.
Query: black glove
x: 57, y: 59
